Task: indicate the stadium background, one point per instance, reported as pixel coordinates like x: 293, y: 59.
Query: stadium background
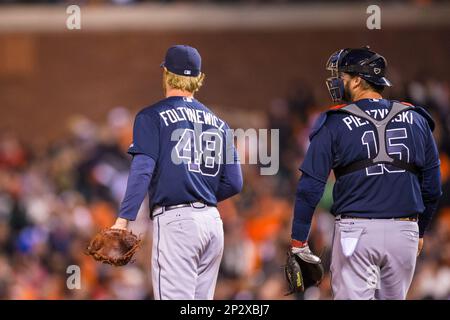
x: 68, y: 98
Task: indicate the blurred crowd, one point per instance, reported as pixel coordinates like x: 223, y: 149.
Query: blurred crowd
x: 53, y: 199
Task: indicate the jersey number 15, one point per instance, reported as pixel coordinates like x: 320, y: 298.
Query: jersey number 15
x: 394, y: 148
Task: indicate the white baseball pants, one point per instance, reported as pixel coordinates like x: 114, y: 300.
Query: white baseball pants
x: 186, y: 255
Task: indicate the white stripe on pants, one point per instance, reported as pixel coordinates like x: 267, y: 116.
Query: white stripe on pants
x: 186, y: 255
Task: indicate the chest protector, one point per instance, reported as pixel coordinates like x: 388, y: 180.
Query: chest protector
x: 382, y: 157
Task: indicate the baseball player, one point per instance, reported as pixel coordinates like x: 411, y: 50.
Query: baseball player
x: 387, y: 186
x: 184, y: 158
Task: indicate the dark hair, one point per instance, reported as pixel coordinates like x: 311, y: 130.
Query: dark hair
x: 374, y: 87
x: 368, y: 84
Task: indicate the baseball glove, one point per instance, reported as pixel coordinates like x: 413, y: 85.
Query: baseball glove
x: 302, y: 270
x: 113, y: 246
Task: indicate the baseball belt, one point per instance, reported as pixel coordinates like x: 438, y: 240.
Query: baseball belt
x: 411, y: 218
x: 158, y: 210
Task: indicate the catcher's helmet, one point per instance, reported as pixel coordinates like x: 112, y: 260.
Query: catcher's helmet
x: 362, y: 62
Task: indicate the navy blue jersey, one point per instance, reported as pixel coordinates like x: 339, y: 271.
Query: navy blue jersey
x: 190, y: 146
x: 380, y: 191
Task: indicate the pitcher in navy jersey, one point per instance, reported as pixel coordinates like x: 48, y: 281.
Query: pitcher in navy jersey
x: 184, y: 158
x: 387, y: 185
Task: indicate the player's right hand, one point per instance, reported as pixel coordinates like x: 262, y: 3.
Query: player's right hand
x: 121, y: 224
x: 419, y: 250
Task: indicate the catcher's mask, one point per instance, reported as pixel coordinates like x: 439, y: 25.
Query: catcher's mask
x: 361, y: 62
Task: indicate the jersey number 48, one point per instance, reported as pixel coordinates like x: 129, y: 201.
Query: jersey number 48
x: 202, y: 153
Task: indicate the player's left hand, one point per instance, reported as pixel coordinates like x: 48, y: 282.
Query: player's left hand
x: 419, y: 250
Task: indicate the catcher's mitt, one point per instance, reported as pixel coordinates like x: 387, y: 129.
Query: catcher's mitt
x: 302, y: 270
x: 113, y: 246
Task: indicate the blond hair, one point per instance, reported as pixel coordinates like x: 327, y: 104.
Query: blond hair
x: 191, y: 84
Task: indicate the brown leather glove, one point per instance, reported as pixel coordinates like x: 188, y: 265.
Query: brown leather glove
x: 113, y: 246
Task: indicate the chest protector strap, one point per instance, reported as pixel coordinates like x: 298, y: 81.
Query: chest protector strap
x: 382, y: 156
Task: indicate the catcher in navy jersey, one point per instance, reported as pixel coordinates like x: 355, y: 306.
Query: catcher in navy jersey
x: 387, y: 170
